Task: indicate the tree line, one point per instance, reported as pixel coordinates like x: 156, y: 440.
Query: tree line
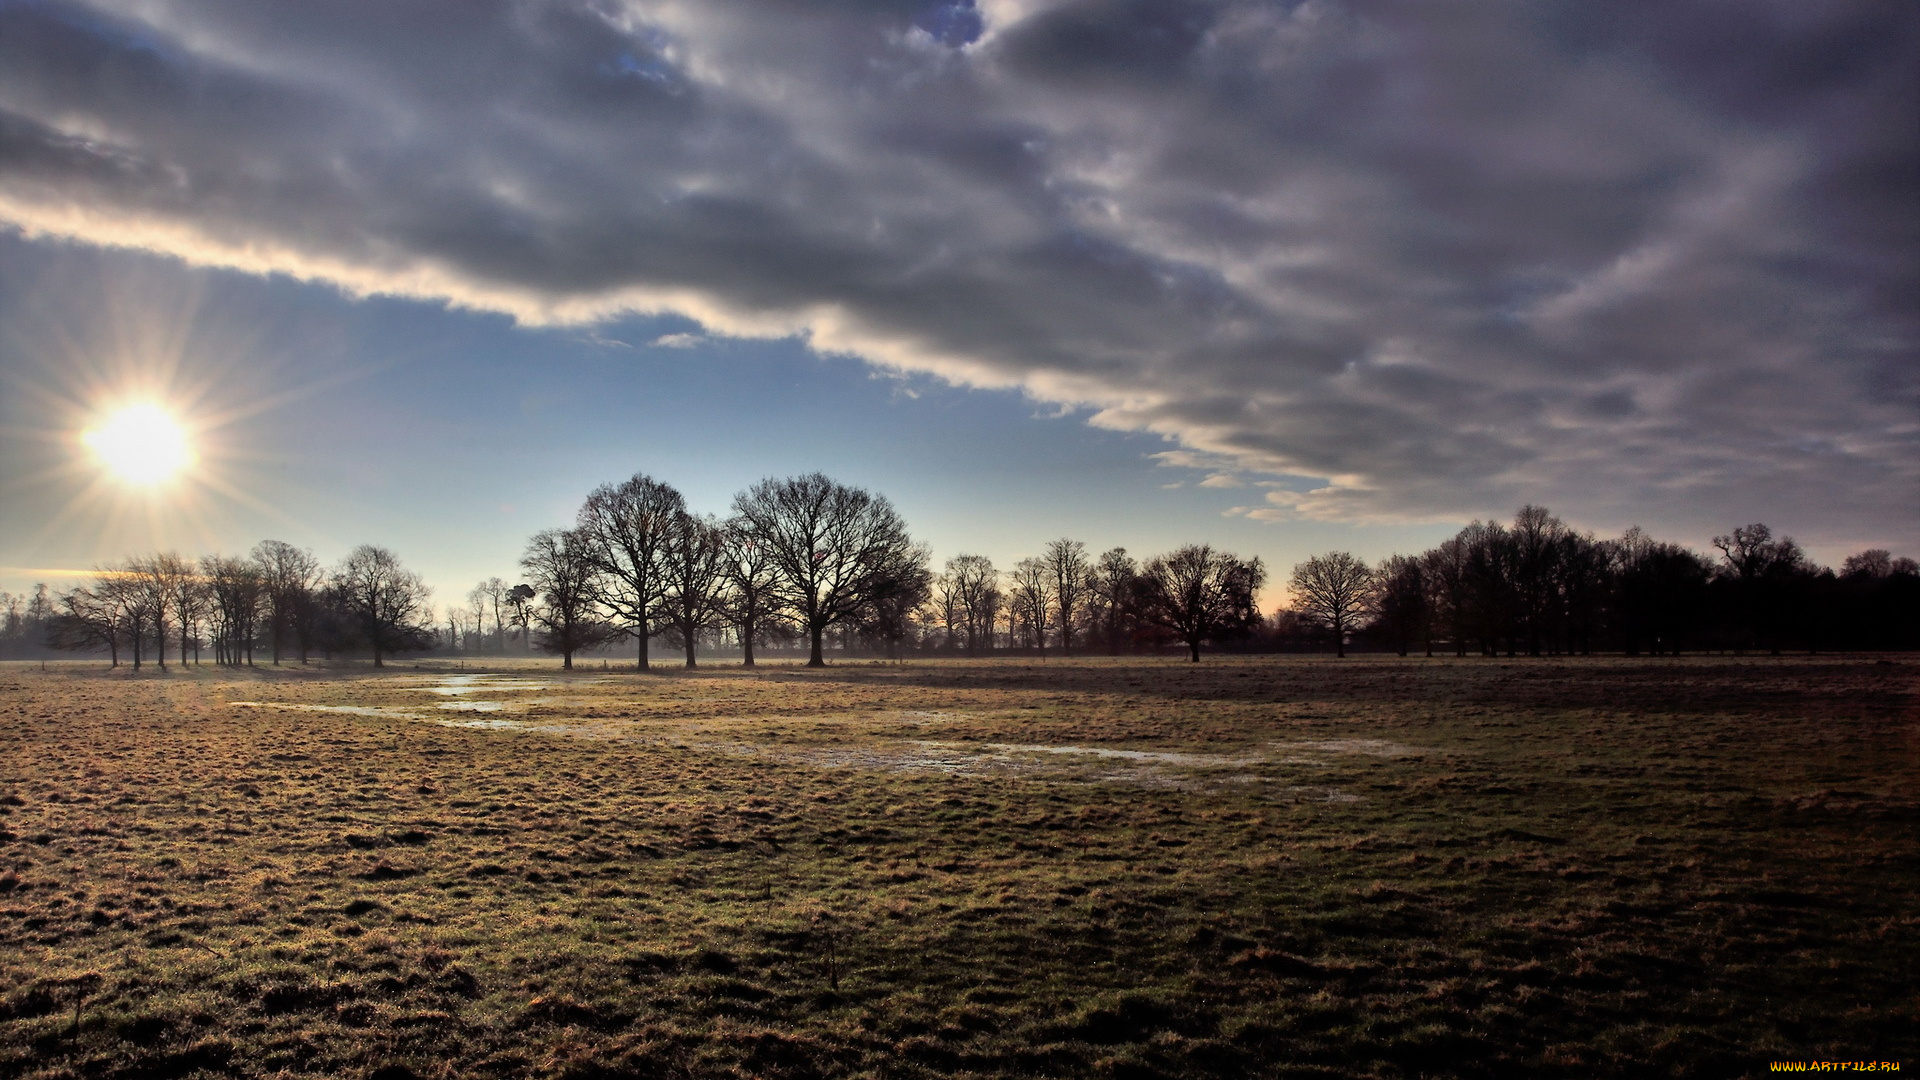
x: 1538, y: 587
x: 804, y: 561
x: 278, y: 598
x: 808, y: 559
x: 811, y: 564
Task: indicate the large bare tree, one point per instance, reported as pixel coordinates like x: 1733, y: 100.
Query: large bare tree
x: 1199, y: 594
x: 1333, y: 590
x: 837, y: 548
x: 91, y: 617
x: 630, y: 526
x: 384, y: 599
x: 564, y: 569
x: 693, y: 585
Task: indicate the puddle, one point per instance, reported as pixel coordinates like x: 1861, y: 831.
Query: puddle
x: 462, y: 708
x: 923, y: 717
x: 390, y: 713
x: 1164, y: 757
x: 456, y: 685
x: 1367, y: 747
x: 350, y: 710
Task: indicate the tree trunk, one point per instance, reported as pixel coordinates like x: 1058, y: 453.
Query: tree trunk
x: 642, y: 635
x: 692, y: 641
x: 746, y: 644
x: 566, y: 660
x: 815, y: 659
x: 1193, y: 648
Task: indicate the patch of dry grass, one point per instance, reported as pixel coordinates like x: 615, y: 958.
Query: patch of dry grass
x: 1250, y: 867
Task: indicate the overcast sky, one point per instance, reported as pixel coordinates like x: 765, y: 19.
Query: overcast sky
x: 1285, y: 277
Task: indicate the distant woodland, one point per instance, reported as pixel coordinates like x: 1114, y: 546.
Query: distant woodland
x: 808, y: 567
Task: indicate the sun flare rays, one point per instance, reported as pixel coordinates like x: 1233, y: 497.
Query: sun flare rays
x: 141, y: 444
x: 139, y: 423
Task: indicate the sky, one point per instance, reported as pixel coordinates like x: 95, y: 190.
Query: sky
x: 1280, y: 277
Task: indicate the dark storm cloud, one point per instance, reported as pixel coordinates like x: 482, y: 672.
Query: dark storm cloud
x: 1429, y: 259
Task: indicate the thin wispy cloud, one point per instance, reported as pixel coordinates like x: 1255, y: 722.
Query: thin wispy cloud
x: 1421, y: 260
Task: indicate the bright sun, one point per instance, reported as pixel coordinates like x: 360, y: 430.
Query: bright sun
x: 141, y: 444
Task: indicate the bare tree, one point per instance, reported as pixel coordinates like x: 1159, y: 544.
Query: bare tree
x: 1871, y: 563
x: 751, y: 583
x: 496, y: 592
x: 975, y: 589
x: 1067, y: 564
x: 1333, y: 590
x: 564, y: 567
x: 1032, y: 600
x: 1197, y: 594
x: 239, y: 589
x: 191, y: 600
x: 693, y: 596
x: 1402, y: 604
x: 630, y: 525
x: 385, y: 601
x: 1538, y: 545
x: 949, y: 609
x: 90, y: 618
x: 477, y: 611
x: 151, y: 580
x: 836, y: 547
x: 890, y: 614
x: 1112, y: 597
x: 292, y: 578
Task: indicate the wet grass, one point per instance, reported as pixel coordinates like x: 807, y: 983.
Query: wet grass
x: 1292, y: 867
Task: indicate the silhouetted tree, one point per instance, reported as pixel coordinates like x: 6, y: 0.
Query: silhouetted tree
x: 1402, y: 605
x: 239, y: 589
x: 974, y: 586
x: 519, y: 600
x: 564, y: 567
x: 1444, y: 568
x: 1333, y: 590
x: 1660, y: 594
x: 751, y: 583
x: 836, y: 547
x: 292, y: 578
x: 382, y: 600
x: 630, y: 526
x: 692, y: 580
x: 91, y: 618
x: 1032, y: 600
x: 1068, y: 566
x: 888, y: 618
x: 1114, y: 598
x: 1198, y: 594
x: 1769, y: 579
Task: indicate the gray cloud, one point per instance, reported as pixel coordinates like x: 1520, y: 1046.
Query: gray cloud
x: 1649, y: 261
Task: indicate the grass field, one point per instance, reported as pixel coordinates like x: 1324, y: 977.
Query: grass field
x: 1247, y: 867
